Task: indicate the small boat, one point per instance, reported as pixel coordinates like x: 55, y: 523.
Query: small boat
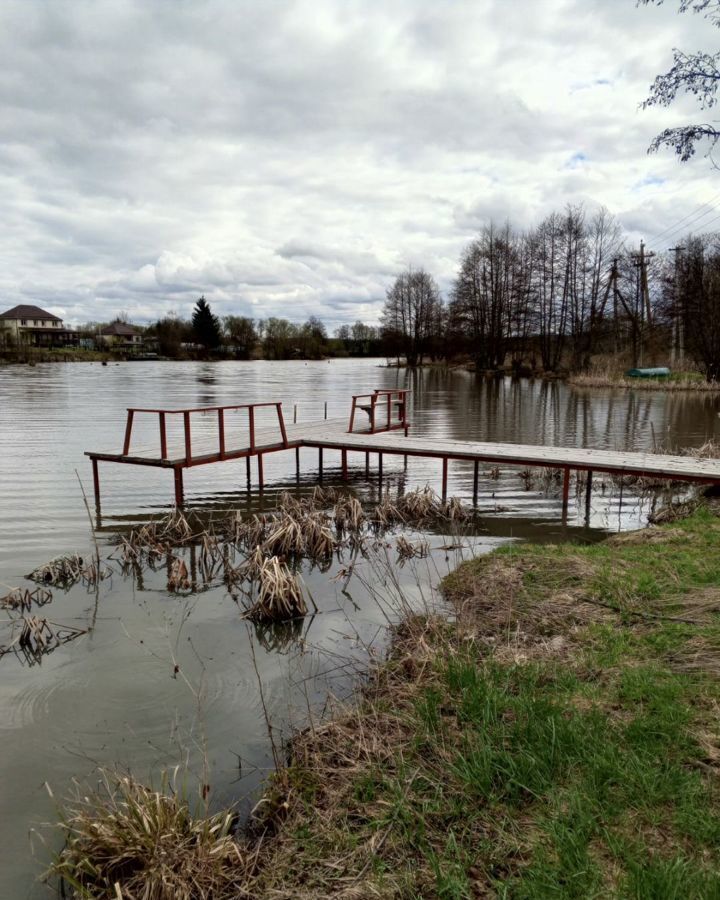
x: 657, y: 372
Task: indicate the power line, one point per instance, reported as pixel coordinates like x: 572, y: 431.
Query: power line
x: 680, y: 228
x: 706, y: 225
x: 673, y: 226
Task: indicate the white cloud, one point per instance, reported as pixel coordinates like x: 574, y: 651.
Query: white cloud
x: 287, y: 158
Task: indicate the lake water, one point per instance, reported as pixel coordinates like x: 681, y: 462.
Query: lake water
x: 112, y: 695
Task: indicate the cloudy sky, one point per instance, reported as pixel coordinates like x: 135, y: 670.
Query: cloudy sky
x: 289, y: 158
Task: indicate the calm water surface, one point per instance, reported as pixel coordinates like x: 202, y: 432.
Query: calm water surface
x: 112, y: 696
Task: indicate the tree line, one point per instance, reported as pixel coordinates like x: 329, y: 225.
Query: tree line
x: 274, y: 338
x: 553, y: 297
x: 550, y: 299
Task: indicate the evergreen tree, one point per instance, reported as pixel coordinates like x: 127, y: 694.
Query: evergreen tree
x: 206, y: 326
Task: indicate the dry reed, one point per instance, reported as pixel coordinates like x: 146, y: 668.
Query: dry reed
x: 24, y: 599
x: 279, y: 594
x: 65, y: 571
x: 126, y: 841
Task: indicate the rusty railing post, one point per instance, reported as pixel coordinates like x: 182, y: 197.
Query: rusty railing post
x: 128, y: 431
x: 565, y: 493
x: 281, y: 419
x: 188, y: 438
x: 221, y: 431
x: 352, y: 415
x: 179, y: 492
x: 96, y: 483
x: 163, y: 436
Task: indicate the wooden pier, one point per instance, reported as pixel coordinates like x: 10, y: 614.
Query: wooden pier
x: 384, y: 434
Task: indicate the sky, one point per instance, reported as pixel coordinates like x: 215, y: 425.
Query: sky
x: 291, y: 158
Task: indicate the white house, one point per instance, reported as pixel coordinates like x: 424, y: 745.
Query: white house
x: 36, y: 327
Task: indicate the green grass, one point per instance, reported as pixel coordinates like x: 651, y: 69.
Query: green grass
x: 501, y: 767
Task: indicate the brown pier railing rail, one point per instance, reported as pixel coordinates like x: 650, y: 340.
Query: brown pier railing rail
x: 380, y: 407
x: 187, y: 425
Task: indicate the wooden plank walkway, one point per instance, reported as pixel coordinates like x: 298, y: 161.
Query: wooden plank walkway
x: 216, y: 444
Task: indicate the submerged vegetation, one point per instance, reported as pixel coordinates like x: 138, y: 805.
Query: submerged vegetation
x: 557, y: 736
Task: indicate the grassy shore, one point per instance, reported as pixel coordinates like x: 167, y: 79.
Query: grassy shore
x: 676, y: 381
x: 557, y: 735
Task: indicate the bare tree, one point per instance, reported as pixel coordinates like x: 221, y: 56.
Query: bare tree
x: 410, y: 314
x: 482, y: 305
x: 697, y: 74
x: 699, y: 297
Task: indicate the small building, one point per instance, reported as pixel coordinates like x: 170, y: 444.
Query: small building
x: 120, y: 335
x: 31, y: 326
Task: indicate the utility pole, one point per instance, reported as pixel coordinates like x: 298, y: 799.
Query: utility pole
x: 677, y: 353
x: 642, y: 293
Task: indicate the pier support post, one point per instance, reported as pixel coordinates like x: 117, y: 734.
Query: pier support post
x: 261, y: 479
x: 297, y: 464
x: 367, y: 464
x: 343, y: 457
x: 588, y: 496
x: 476, y: 473
x: 320, y: 463
x: 179, y: 489
x: 444, y: 478
x: 380, y: 472
x: 565, y: 493
x: 96, y: 484
x: 247, y: 469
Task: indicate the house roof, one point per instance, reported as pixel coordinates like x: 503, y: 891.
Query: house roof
x: 119, y: 329
x: 28, y: 312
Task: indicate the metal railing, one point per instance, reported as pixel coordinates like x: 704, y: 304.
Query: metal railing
x: 187, y: 426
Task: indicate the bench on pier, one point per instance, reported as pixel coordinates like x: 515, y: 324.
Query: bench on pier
x: 386, y: 410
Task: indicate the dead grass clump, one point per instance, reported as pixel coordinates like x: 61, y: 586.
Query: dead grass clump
x: 699, y: 655
x: 319, y: 540
x: 348, y: 514
x: 673, y: 512
x: 34, y: 636
x: 387, y: 513
x: 709, y: 450
x: 65, y: 571
x: 502, y: 594
x: 454, y: 511
x: 421, y: 504
x: 126, y: 840
x: 308, y: 535
x: 279, y: 594
x: 648, y: 536
x: 156, y: 538
x: 249, y: 570
x: 322, y: 497
x: 411, y: 550
x: 178, y: 575
x: 24, y: 600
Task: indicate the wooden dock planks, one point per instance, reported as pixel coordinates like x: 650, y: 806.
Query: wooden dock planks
x: 332, y: 434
